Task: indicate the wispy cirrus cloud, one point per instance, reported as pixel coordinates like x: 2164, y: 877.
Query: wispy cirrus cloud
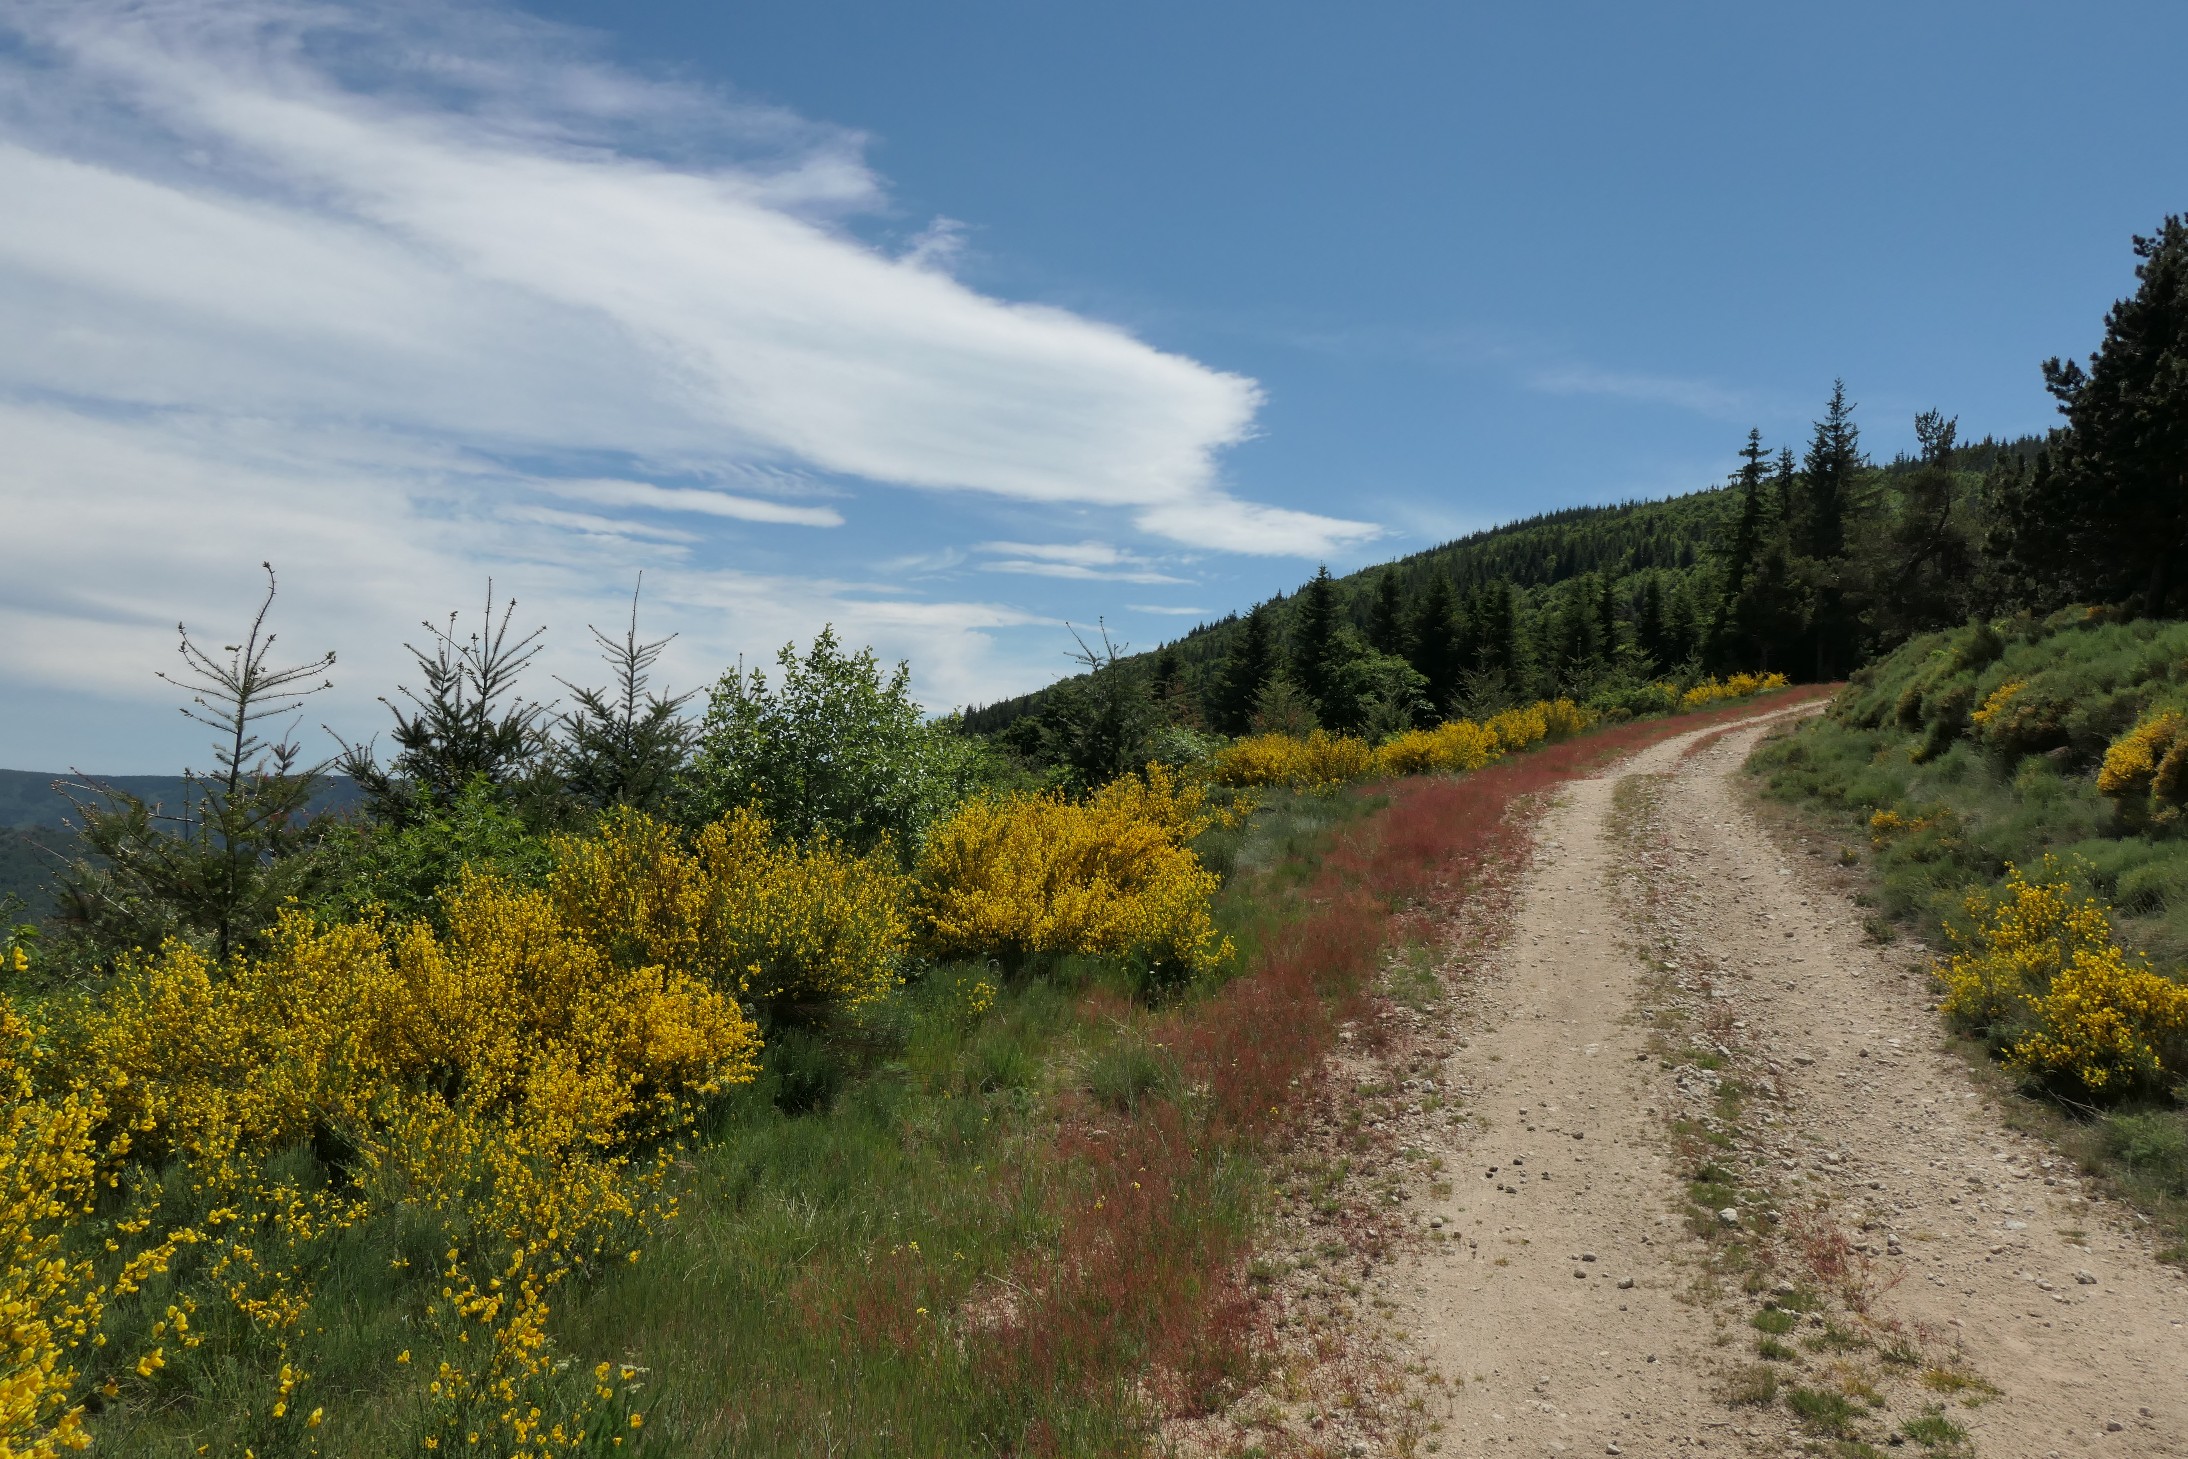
x: 1084, y: 561
x: 416, y: 273
x: 1703, y: 397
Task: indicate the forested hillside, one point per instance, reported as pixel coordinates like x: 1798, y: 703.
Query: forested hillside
x: 1807, y: 566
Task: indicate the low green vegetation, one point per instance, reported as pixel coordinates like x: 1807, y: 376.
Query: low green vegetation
x: 2022, y: 743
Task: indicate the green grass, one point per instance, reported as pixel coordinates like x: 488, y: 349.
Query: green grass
x: 1827, y: 1412
x: 852, y: 1228
x: 1933, y: 1430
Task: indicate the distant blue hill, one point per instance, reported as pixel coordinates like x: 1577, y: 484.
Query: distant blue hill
x: 27, y: 797
x: 34, y: 838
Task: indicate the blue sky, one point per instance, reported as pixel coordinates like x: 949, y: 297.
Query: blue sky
x: 953, y: 323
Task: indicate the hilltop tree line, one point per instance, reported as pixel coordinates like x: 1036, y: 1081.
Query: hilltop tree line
x: 1812, y: 559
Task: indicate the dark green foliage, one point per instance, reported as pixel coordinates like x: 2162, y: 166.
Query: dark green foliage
x: 468, y: 722
x: 1829, y: 480
x: 2104, y: 515
x: 624, y: 745
x: 1245, y: 672
x: 1439, y: 642
x: 219, y: 866
x: 1318, y: 651
x: 1923, y: 570
x: 1101, y: 723
x: 401, y: 867
x: 1387, y: 630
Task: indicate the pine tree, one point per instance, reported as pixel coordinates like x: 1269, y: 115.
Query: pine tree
x: 1436, y: 635
x: 1387, y: 617
x: 1650, y: 630
x: 2105, y: 517
x: 467, y: 723
x: 1828, y: 479
x: 1921, y: 570
x: 624, y: 745
x: 1245, y: 673
x: 1606, y: 618
x: 1499, y: 632
x: 218, y: 869
x: 1829, y: 482
x: 1317, y: 646
x: 1727, y: 626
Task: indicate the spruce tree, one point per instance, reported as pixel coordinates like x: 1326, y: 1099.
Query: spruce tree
x: 1501, y: 649
x: 1245, y: 673
x: 2105, y: 517
x: 1387, y: 616
x: 1828, y: 479
x: 624, y: 745
x: 1650, y: 631
x: 1318, y: 647
x: 219, y: 868
x: 1606, y: 618
x: 1436, y: 641
x: 1741, y: 554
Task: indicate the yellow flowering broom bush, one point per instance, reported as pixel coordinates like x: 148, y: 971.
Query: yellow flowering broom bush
x: 2044, y: 978
x: 812, y: 924
x: 1739, y: 686
x: 1302, y: 762
x: 502, y: 1077
x: 1025, y: 875
x: 1457, y: 746
x: 1320, y: 760
x: 55, y: 1300
x: 2146, y: 769
x: 511, y: 1005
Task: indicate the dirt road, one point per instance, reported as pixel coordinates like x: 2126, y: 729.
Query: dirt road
x: 1720, y: 1187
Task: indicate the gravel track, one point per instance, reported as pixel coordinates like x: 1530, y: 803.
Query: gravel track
x: 1662, y: 943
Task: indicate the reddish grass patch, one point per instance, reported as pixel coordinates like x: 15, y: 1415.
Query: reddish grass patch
x: 1146, y: 1282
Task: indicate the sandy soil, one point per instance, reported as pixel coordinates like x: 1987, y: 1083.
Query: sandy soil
x: 1566, y: 1294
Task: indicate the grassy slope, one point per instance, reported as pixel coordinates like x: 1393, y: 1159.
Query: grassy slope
x: 1902, y: 739
x: 924, y: 1233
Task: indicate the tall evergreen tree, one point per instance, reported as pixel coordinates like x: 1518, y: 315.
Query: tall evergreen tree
x: 1245, y: 673
x: 1572, y: 642
x: 1317, y: 646
x: 1828, y: 479
x: 624, y: 745
x: 1387, y: 616
x: 1606, y: 617
x: 1435, y: 635
x: 2105, y: 517
x: 1741, y: 555
x: 1498, y: 631
x: 1829, y: 482
x: 1651, y: 631
x: 1921, y: 570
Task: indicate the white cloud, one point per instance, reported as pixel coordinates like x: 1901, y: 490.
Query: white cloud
x: 334, y: 244
x: 1081, y: 561
x: 1170, y: 612
x: 399, y: 295
x: 609, y: 493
